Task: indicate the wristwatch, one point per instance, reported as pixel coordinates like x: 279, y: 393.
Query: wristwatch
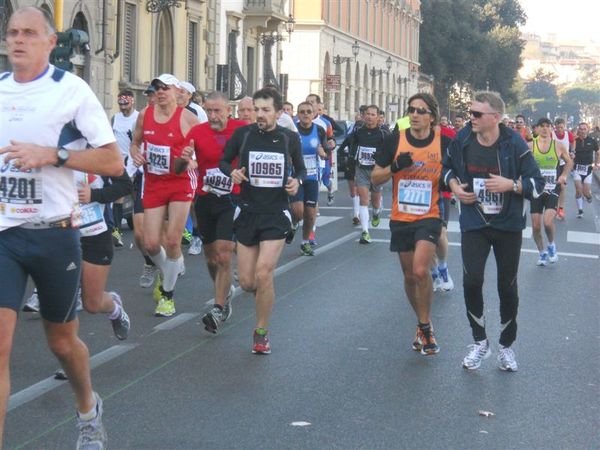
x: 515, y: 186
x: 62, y: 156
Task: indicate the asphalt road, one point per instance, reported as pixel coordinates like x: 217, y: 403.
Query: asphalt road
x: 342, y: 374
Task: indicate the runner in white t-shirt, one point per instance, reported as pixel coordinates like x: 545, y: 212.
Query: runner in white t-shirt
x: 48, y: 119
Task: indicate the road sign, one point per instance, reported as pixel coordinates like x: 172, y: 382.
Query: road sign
x: 333, y: 83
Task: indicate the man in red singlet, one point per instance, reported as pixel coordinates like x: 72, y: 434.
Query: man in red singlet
x: 159, y: 145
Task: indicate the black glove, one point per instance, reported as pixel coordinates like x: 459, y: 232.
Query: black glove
x: 403, y: 161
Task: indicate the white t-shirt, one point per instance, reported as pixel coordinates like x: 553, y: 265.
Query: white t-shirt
x: 202, y: 117
x: 286, y: 121
x: 56, y: 110
x: 122, y: 127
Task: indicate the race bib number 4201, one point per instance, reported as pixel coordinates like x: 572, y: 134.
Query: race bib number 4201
x: 159, y: 159
x: 491, y: 202
x: 266, y: 169
x: 20, y: 192
x: 414, y: 196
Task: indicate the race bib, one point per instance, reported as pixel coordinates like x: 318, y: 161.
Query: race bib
x: 581, y: 169
x: 550, y: 178
x: 310, y: 162
x: 92, y: 219
x: 217, y: 182
x: 266, y: 169
x: 491, y: 202
x: 414, y: 196
x: 20, y: 192
x: 159, y: 159
x: 366, y: 156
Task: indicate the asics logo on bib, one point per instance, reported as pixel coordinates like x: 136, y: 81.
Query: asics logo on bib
x: 10, y: 168
x: 267, y: 157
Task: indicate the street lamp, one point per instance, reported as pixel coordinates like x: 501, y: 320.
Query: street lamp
x: 355, y: 48
x: 289, y: 25
x: 270, y: 39
x: 374, y: 72
x: 337, y: 59
x: 388, y: 63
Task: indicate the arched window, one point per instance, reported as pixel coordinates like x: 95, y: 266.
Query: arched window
x: 81, y: 61
x: 164, y: 43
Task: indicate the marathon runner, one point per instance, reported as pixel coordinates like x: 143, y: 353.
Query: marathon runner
x: 412, y: 158
x: 547, y: 153
x: 586, y: 156
x: 39, y: 149
x: 566, y: 138
x: 215, y: 203
x: 491, y: 170
x: 265, y: 155
x: 169, y: 182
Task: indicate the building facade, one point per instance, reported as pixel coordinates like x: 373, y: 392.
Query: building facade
x: 370, y: 46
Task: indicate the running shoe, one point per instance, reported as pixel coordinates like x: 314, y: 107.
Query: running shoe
x: 506, y: 359
x: 560, y: 213
x: 181, y: 269
x: 589, y: 199
x: 33, y: 303
x: 92, y: 435
x: 213, y: 319
x: 355, y: 220
x: 228, y: 308
x: 148, y: 276
x: 121, y: 324
x: 79, y: 302
x: 417, y: 344
x: 195, y: 246
x: 479, y: 351
x: 289, y: 238
x: 156, y: 292
x: 186, y: 237
x: 330, y: 197
x: 261, y: 344
x: 165, y: 307
x: 375, y: 221
x: 430, y: 346
x: 117, y: 238
x: 311, y: 239
x: 365, y: 238
x: 580, y: 214
x: 307, y: 250
x: 543, y: 259
x: 552, y: 255
x: 446, y: 282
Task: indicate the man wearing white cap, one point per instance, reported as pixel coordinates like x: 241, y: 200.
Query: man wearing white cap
x: 170, y: 182
x: 184, y: 98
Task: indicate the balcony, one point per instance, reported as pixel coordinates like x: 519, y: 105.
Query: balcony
x: 267, y: 14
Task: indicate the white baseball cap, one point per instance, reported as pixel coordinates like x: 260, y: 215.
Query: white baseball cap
x: 167, y: 79
x: 187, y: 86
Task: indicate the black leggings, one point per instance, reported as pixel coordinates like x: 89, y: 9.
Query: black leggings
x: 475, y: 247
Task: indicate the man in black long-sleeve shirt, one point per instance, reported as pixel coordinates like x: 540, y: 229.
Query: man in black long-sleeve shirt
x: 266, y: 155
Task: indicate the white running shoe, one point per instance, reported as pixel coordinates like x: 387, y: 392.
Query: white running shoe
x: 33, y: 303
x: 543, y: 259
x: 479, y: 351
x: 148, y: 276
x: 195, y: 246
x: 446, y: 283
x: 506, y: 359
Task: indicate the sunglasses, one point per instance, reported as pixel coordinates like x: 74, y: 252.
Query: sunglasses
x: 478, y: 114
x: 305, y: 111
x: 162, y: 87
x: 420, y: 111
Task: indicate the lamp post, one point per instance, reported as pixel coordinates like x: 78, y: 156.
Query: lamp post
x: 337, y: 59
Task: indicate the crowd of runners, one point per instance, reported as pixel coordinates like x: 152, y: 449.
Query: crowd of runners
x: 240, y: 189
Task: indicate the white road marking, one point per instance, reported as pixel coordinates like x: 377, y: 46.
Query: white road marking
x: 523, y: 250
x: 38, y: 389
x: 175, y: 321
x: 582, y: 237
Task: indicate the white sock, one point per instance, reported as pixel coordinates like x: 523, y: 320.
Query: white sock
x: 170, y: 273
x: 356, y: 205
x: 115, y: 312
x: 580, y: 203
x: 364, y: 218
x: 160, y: 259
x: 91, y: 414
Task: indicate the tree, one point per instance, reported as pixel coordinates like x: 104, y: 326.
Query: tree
x: 582, y: 98
x: 471, y: 43
x: 541, y: 85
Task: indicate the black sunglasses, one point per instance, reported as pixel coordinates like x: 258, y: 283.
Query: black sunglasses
x: 161, y: 87
x: 478, y: 114
x: 420, y: 111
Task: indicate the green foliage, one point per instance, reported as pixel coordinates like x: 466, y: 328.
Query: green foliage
x: 471, y: 44
x: 541, y: 85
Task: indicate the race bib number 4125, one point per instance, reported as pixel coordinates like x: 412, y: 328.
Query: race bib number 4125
x: 266, y: 169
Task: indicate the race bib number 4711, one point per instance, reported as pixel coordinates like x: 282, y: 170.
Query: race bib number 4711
x: 266, y: 169
x: 414, y: 196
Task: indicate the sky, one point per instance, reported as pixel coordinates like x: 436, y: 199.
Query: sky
x: 569, y: 19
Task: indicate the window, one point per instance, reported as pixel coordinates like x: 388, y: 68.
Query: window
x: 164, y: 43
x: 129, y: 33
x: 192, y: 53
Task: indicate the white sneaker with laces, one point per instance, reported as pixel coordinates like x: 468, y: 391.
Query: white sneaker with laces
x: 195, y: 246
x: 506, y: 359
x: 33, y: 303
x: 479, y: 351
x: 148, y: 276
